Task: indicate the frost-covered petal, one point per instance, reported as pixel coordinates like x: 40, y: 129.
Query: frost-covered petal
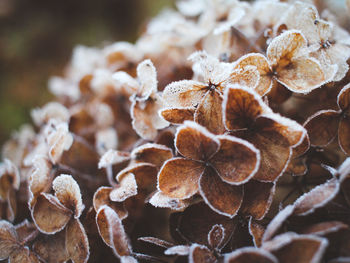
x: 8, y: 239
x: 127, y: 187
x: 195, y: 142
x: 250, y: 254
x: 77, y: 243
x: 200, y: 254
x: 153, y: 153
x: 344, y: 134
x: 68, y: 193
x: 223, y: 198
x: 178, y: 178
x: 159, y: 199
x: 178, y: 115
x: 236, y: 161
x: 147, y: 74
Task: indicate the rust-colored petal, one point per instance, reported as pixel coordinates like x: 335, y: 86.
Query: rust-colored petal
x: 153, y: 153
x: 322, y: 127
x: 290, y: 247
x: 197, y: 220
x: 26, y: 231
x: 184, y: 93
x: 77, y: 243
x: 68, y: 193
x: 275, y: 150
x: 247, y: 76
x: 195, y: 142
x: 126, y: 188
x: 23, y: 255
x: 324, y: 228
x: 112, y: 231
x: 223, y: 198
x: 257, y: 198
x: 178, y: 115
x: 237, y: 160
x: 256, y: 230
x: 8, y: 239
x: 262, y: 65
x: 216, y: 236
x: 317, y: 197
x: 49, y: 215
x: 199, y: 254
x: 249, y: 255
x: 302, y: 75
x: 178, y: 178
x: 52, y: 248
x: 101, y: 197
x: 344, y: 99
x: 344, y: 134
x: 241, y: 107
x: 209, y: 112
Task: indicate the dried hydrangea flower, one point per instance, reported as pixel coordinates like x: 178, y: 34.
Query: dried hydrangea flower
x: 13, y: 243
x: 250, y: 254
x: 9, y: 184
x: 146, y: 102
x: 288, y: 63
x: 246, y: 115
x: 324, y: 125
x: 53, y: 213
x: 210, y: 162
x: 201, y: 101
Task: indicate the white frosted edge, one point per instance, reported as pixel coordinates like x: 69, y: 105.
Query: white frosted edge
x: 181, y: 250
x: 277, y: 222
x: 149, y: 146
x: 316, y: 189
x: 112, y: 157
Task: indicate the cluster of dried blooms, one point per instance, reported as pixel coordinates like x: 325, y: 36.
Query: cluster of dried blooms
x: 211, y: 139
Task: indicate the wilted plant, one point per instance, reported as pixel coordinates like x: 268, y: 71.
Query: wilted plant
x: 188, y: 145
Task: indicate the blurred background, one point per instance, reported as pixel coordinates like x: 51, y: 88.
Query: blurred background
x: 37, y: 39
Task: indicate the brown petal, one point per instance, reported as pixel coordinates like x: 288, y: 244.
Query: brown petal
x: 49, y: 215
x: 257, y: 198
x: 209, y: 112
x: 344, y: 134
x: 145, y: 118
x: 153, y: 153
x: 127, y: 187
x: 262, y: 65
x: 324, y: 228
x: 277, y: 222
x: 68, y: 193
x: 26, y: 231
x: 322, y: 127
x: 145, y: 175
x: 317, y: 197
x: 216, y: 236
x: 223, y: 198
x: 112, y: 231
x: 302, y: 148
x: 237, y: 160
x: 8, y: 239
x: 195, y: 142
x: 290, y: 247
x: 184, y: 93
x: 250, y: 254
x: 302, y: 75
x: 275, y: 150
x: 52, y: 248
x: 198, y: 219
x: 199, y: 254
x: 178, y: 115
x: 101, y: 197
x: 178, y: 178
x: 77, y: 243
x: 257, y: 231
x: 241, y: 107
x: 247, y: 76
x: 159, y: 199
x: 286, y: 46
x: 23, y: 255
x: 344, y: 99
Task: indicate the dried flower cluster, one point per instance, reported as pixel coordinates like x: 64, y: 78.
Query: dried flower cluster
x: 211, y: 139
